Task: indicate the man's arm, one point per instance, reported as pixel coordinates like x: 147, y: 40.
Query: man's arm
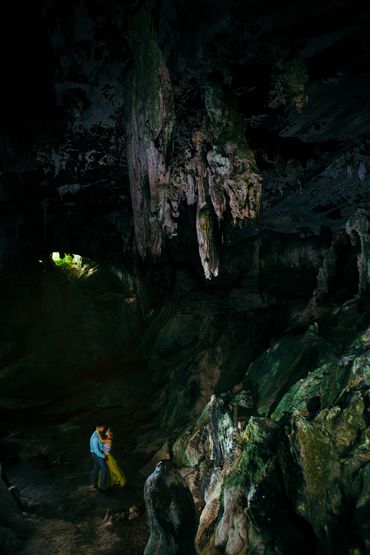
x: 101, y: 438
x: 95, y: 447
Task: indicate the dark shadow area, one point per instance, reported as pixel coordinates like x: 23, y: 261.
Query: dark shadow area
x: 343, y: 284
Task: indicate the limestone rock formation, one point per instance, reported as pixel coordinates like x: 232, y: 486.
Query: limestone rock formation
x: 150, y: 122
x: 171, y: 513
x: 286, y: 483
x: 223, y: 176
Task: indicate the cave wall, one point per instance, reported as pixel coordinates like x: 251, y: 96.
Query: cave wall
x: 250, y: 117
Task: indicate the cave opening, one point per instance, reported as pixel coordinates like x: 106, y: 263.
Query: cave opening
x: 74, y: 265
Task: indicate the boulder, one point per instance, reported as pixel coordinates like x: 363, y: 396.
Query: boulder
x: 171, y: 513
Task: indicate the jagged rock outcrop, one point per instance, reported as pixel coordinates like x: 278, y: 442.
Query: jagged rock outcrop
x: 171, y: 513
x: 328, y: 437
x: 296, y: 480
x: 244, y: 505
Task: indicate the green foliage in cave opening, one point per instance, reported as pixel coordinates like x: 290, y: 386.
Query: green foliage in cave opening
x: 74, y: 265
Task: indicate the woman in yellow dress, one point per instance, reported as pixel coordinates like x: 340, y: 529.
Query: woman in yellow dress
x: 115, y: 476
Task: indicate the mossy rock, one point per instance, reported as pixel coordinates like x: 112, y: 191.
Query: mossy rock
x: 321, y: 462
x: 257, y: 444
x: 290, y: 359
x: 330, y: 383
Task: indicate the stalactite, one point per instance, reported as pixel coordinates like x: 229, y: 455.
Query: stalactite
x: 221, y: 173
x: 204, y: 220
x: 232, y: 172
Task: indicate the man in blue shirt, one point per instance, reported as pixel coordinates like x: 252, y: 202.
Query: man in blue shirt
x: 97, y: 453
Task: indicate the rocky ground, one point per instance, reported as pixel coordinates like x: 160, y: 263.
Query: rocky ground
x: 68, y: 517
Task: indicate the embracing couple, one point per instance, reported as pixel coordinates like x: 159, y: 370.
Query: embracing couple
x: 106, y: 472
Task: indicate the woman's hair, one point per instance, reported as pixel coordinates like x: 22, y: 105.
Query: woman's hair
x: 109, y: 430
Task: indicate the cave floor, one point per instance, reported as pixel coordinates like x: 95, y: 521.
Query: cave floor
x: 63, y: 511
x: 68, y: 517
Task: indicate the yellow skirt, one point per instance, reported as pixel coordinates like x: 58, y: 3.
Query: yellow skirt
x: 115, y: 476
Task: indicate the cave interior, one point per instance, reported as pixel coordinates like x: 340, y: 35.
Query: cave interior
x: 185, y: 256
